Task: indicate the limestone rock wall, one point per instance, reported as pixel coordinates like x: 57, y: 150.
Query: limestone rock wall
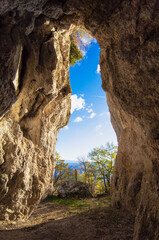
x: 129, y: 66
x: 29, y: 130
x: 34, y: 79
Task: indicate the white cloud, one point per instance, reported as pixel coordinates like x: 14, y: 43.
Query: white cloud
x: 100, y: 134
x: 78, y: 119
x: 66, y: 127
x: 89, y: 110
x: 86, y: 40
x: 92, y: 115
x: 84, y: 52
x: 77, y: 103
x: 82, y: 95
x: 102, y: 114
x: 97, y: 96
x: 98, y: 127
x: 98, y: 69
x: 108, y: 113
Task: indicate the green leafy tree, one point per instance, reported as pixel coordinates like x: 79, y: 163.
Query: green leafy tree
x: 80, y: 39
x: 62, y: 172
x: 103, y: 158
x: 75, y: 54
x: 88, y: 173
x: 83, y: 167
x: 91, y: 176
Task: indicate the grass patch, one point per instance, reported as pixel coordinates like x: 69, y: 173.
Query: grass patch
x: 68, y: 201
x: 79, y: 205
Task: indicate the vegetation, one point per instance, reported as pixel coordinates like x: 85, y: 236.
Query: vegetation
x: 62, y: 172
x: 75, y: 54
x: 88, y: 174
x: 74, y: 206
x: 79, y: 40
x: 103, y: 159
x: 95, y: 170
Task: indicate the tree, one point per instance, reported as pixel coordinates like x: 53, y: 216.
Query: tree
x: 83, y: 166
x: 80, y: 39
x: 62, y: 171
x: 103, y: 158
x: 75, y: 54
x: 88, y: 172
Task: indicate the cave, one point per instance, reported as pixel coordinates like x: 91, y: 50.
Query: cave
x: 35, y: 99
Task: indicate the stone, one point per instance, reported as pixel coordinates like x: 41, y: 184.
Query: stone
x: 28, y: 131
x: 35, y: 99
x: 71, y: 189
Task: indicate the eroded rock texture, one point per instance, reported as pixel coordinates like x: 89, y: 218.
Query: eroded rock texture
x: 34, y: 79
x: 39, y: 70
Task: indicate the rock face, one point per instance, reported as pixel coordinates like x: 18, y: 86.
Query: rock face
x: 29, y: 129
x: 73, y: 189
x: 35, y: 98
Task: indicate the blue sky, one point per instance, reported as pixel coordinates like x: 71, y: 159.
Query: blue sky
x: 89, y: 124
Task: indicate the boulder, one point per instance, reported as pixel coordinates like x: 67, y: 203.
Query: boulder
x: 73, y: 189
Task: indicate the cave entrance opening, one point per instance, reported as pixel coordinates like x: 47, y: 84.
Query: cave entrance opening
x: 89, y: 126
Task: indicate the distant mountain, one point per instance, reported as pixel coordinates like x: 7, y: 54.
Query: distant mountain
x: 73, y: 164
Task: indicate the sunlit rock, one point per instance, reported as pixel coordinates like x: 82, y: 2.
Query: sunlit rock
x: 74, y: 190
x: 35, y: 99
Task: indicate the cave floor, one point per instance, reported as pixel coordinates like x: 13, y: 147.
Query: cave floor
x: 74, y: 220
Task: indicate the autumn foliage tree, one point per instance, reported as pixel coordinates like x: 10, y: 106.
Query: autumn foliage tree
x: 95, y: 170
x: 62, y: 172
x: 98, y: 167
x: 103, y: 158
x: 88, y: 173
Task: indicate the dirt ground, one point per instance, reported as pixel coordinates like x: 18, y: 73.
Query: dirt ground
x: 91, y: 219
